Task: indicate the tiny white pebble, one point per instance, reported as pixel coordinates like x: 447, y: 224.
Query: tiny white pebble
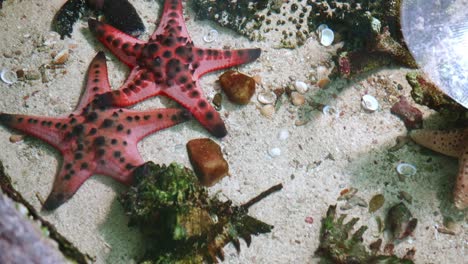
x: 326, y: 37
x: 301, y: 87
x: 274, y: 152
x: 283, y: 134
x: 369, y: 103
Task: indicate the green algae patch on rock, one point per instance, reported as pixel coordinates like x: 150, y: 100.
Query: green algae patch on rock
x: 238, y: 87
x: 180, y: 222
x: 207, y: 160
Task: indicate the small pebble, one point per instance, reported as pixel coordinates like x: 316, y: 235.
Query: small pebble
x: 283, y: 134
x: 301, y: 87
x: 238, y: 87
x: 406, y: 169
x: 274, y: 152
x: 323, y: 83
x: 326, y: 37
x: 267, y: 97
x: 267, y: 110
x: 16, y: 138
x: 309, y: 220
x: 8, y: 76
x: 211, y: 36
x: 369, y: 103
x: 297, y: 98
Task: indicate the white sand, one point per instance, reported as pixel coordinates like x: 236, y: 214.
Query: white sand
x: 358, y: 141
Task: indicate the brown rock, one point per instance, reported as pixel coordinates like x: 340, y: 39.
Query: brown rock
x: 238, y: 87
x: 207, y: 160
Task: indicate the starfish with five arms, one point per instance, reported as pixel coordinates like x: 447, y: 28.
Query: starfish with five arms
x: 452, y: 143
x: 94, y: 140
x: 168, y: 64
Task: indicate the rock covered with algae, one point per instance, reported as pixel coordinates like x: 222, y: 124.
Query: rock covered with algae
x: 339, y: 245
x: 180, y: 221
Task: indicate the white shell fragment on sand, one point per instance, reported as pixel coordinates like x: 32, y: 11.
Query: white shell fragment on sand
x: 267, y: 110
x: 211, y: 36
x: 301, y: 87
x: 274, y: 152
x: 369, y: 103
x: 326, y: 37
x: 321, y: 27
x: 406, y: 169
x: 283, y: 134
x: 331, y: 111
x: 8, y: 76
x: 266, y: 97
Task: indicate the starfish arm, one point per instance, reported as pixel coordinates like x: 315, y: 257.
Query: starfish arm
x: 172, y: 22
x: 68, y: 180
x: 208, y: 60
x: 48, y: 129
x: 120, y: 162
x: 125, y: 47
x: 97, y: 81
x: 199, y: 107
x: 138, y: 87
x: 449, y: 143
x: 147, y: 122
x: 460, y: 193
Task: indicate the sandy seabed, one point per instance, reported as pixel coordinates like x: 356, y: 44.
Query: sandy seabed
x: 317, y: 161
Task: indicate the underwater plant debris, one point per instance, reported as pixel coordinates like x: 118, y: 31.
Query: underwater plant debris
x: 181, y: 222
x: 339, y: 246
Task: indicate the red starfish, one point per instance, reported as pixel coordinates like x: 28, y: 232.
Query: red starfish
x: 94, y: 141
x: 168, y: 64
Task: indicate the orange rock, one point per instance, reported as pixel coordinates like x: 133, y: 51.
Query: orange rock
x: 207, y: 160
x: 238, y: 87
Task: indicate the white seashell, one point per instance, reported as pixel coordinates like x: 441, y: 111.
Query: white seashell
x: 283, y: 134
x: 297, y: 99
x: 274, y: 152
x: 211, y: 36
x: 321, y: 27
x: 266, y: 97
x: 61, y: 57
x: 369, y: 103
x: 406, y: 169
x: 326, y: 37
x: 8, y: 76
x: 331, y: 111
x: 301, y: 87
x: 267, y: 110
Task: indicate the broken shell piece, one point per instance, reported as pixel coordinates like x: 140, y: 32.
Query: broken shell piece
x: 211, y: 36
x: 369, y: 103
x: 283, y: 134
x: 238, y: 87
x: 207, y: 160
x: 326, y: 37
x: 61, y: 57
x: 331, y: 111
x: 321, y: 27
x: 322, y: 83
x: 267, y: 97
x: 297, y: 99
x: 8, y: 76
x: 406, y: 169
x: 267, y: 110
x: 274, y: 152
x: 301, y: 87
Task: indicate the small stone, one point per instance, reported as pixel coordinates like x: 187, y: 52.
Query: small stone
x: 61, y: 57
x: 217, y: 100
x: 20, y: 73
x: 274, y: 152
x: 309, y: 220
x: 369, y: 103
x: 267, y: 110
x: 32, y: 75
x: 301, y: 87
x: 297, y: 99
x: 207, y: 160
x: 16, y: 138
x: 267, y: 97
x: 323, y: 83
x: 238, y: 87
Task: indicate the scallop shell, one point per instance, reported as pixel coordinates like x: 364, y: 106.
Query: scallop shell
x: 267, y: 110
x: 267, y: 97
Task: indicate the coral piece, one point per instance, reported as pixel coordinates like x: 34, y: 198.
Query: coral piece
x: 411, y: 116
x: 119, y: 13
x: 168, y: 64
x: 207, y: 160
x: 452, y: 143
x: 182, y: 224
x: 338, y: 245
x: 400, y: 222
x: 260, y: 19
x: 426, y: 93
x: 238, y: 87
x: 94, y: 140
